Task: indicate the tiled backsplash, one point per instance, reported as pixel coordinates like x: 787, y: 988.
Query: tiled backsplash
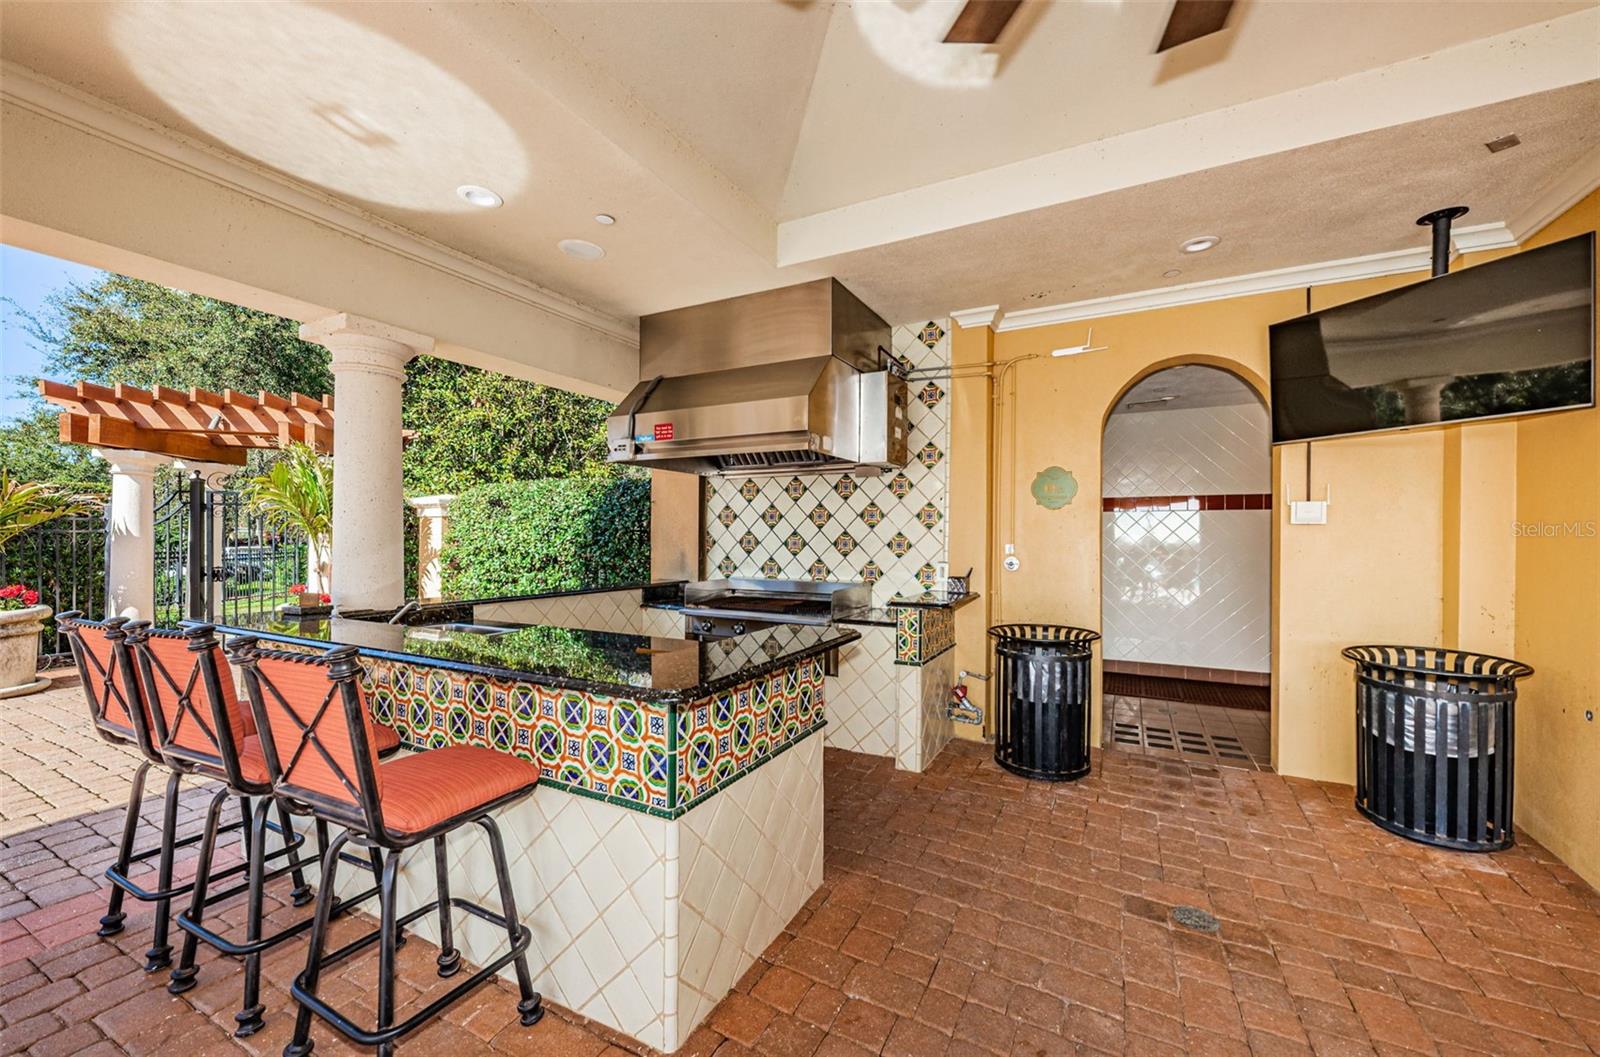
x: 1188, y: 587
x: 889, y: 529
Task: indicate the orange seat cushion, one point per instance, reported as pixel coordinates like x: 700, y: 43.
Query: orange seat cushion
x: 423, y: 790
x: 384, y: 739
x: 252, y: 762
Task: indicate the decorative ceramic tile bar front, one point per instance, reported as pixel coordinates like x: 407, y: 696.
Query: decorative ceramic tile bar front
x: 657, y: 758
x: 678, y: 824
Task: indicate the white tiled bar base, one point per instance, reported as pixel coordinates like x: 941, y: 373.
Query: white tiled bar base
x: 881, y: 708
x: 639, y: 922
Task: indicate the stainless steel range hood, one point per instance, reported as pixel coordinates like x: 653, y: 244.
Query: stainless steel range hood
x: 788, y: 380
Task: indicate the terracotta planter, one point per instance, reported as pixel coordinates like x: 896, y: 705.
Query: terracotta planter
x: 19, y: 650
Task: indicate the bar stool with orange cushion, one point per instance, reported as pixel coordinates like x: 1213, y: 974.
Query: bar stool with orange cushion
x: 202, y: 728
x: 121, y: 716
x: 317, y: 740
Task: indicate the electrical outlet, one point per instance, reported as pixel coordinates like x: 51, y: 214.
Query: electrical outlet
x: 1308, y: 512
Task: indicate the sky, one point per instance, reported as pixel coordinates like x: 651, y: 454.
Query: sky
x: 27, y: 279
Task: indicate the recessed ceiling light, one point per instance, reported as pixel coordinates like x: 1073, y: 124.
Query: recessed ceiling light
x: 1200, y: 243
x: 481, y: 197
x: 581, y: 249
x: 1172, y: 273
x: 605, y: 218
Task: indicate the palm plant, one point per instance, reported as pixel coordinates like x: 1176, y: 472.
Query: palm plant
x: 29, y: 504
x: 296, y: 493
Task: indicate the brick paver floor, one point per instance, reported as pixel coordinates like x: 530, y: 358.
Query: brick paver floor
x: 964, y: 913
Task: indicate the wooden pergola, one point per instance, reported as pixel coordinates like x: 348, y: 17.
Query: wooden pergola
x: 193, y: 424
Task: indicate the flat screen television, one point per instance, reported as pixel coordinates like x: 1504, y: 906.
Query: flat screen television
x: 1510, y: 337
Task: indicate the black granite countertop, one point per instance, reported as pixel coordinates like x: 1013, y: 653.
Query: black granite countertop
x: 439, y: 609
x: 933, y: 600
x: 668, y: 670
x: 881, y: 616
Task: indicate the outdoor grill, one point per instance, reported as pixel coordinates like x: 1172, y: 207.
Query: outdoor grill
x: 733, y: 607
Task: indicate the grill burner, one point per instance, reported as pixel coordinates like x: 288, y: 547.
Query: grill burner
x: 750, y: 603
x: 734, y: 607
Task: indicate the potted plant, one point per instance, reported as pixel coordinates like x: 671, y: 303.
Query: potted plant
x: 296, y: 494
x: 25, y: 505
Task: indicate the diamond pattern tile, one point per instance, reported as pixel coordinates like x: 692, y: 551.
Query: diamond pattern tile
x: 862, y: 714
x: 640, y: 923
x: 792, y: 527
x: 1204, y: 451
x: 603, y: 611
x: 747, y: 862
x: 1187, y: 587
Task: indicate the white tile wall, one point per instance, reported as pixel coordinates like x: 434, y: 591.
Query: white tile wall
x: 598, y: 611
x: 1206, y: 450
x: 1188, y: 587
x: 773, y: 515
x: 883, y: 709
x: 936, y: 728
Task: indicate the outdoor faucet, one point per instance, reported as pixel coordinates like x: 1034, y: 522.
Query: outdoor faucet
x: 400, y: 614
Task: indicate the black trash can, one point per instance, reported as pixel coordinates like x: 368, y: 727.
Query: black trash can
x: 1435, y: 733
x: 1041, y: 708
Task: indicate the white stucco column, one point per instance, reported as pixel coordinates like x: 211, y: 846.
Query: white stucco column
x: 369, y: 364
x: 131, y: 528
x: 433, y: 518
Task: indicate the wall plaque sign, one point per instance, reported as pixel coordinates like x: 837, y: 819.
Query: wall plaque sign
x: 1054, y: 488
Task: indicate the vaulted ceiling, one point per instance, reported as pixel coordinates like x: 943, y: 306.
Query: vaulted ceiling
x: 747, y: 145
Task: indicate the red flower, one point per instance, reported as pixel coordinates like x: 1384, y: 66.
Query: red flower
x: 297, y: 589
x: 30, y: 598
x: 11, y: 591
x: 325, y: 599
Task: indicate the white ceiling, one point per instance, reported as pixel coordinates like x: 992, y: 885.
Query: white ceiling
x: 728, y: 137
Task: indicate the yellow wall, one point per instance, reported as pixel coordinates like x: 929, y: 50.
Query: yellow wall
x: 1420, y: 544
x: 968, y: 523
x: 1558, y: 617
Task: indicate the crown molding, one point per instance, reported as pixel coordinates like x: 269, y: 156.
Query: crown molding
x: 968, y: 318
x: 59, y: 102
x: 1394, y: 262
x: 1567, y: 191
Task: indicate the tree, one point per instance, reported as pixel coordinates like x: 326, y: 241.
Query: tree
x: 469, y: 426
x: 477, y: 427
x: 118, y: 329
x: 30, y: 450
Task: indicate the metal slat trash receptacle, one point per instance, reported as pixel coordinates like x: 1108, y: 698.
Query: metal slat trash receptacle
x: 1042, y: 676
x: 1435, y: 733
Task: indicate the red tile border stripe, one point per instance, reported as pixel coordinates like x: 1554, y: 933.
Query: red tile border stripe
x: 1224, y: 501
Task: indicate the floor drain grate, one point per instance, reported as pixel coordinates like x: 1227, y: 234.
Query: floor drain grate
x: 1196, y: 919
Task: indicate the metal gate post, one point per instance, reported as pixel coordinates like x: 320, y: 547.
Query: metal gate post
x: 199, y: 566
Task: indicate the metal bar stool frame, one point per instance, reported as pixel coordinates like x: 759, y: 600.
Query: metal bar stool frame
x: 212, y: 749
x: 111, y: 686
x: 360, y: 811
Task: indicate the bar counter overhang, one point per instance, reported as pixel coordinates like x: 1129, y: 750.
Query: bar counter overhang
x: 677, y: 826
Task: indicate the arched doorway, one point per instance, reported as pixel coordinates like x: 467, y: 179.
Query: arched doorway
x: 1186, y: 568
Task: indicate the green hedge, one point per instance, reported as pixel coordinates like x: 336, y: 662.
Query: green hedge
x: 551, y: 535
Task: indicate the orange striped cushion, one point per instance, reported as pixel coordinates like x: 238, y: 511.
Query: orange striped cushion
x: 384, y: 738
x: 107, y: 702
x: 425, y: 789
x: 172, y: 662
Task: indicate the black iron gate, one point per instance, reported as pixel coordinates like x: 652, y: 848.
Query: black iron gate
x: 65, y: 561
x: 218, y: 560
